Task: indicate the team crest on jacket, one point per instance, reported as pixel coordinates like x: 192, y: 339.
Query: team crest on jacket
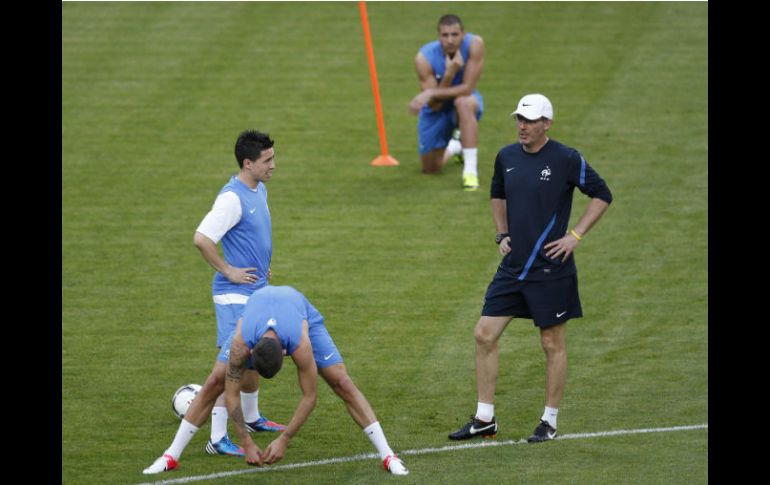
x: 545, y: 174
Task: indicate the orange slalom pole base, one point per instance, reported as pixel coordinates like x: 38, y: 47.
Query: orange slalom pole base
x: 384, y: 161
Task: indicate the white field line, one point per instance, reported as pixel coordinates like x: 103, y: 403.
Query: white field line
x: 422, y: 451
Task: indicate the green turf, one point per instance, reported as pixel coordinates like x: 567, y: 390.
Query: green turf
x: 153, y: 97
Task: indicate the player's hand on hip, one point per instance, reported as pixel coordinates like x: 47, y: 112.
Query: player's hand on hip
x: 242, y: 276
x: 561, y: 247
x: 505, y: 245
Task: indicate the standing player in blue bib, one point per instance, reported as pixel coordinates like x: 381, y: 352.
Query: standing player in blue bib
x: 531, y: 197
x: 240, y: 219
x: 278, y: 320
x: 448, y: 70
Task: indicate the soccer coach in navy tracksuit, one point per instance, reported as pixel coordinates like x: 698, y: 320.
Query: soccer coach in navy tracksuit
x: 531, y: 194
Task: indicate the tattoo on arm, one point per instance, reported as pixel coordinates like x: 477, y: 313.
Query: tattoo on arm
x: 234, y: 373
x: 235, y: 367
x: 236, y: 363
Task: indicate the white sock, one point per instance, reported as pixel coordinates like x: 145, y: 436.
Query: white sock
x: 484, y: 411
x: 377, y: 437
x: 550, y: 415
x: 453, y: 148
x: 470, y: 155
x: 183, y: 436
x: 250, y: 406
x: 218, y: 423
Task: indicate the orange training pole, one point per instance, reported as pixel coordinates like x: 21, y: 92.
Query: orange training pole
x: 384, y: 159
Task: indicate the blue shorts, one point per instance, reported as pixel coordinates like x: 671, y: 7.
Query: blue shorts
x: 227, y: 319
x: 324, y: 350
x: 434, y: 128
x: 547, y: 303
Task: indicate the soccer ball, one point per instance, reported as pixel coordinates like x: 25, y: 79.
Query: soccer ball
x: 182, y: 398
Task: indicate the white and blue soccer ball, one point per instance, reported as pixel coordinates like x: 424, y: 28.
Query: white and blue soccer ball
x: 182, y: 398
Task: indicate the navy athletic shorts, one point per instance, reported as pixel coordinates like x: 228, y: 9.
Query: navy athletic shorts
x: 548, y: 302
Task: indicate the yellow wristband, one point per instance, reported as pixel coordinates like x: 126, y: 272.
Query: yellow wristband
x: 575, y: 235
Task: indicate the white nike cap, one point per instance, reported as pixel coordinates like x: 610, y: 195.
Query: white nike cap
x: 534, y: 107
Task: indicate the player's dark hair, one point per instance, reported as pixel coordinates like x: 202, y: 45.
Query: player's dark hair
x: 450, y: 19
x: 250, y: 144
x: 267, y: 357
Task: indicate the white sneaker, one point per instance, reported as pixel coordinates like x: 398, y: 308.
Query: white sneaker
x: 394, y: 465
x: 162, y: 464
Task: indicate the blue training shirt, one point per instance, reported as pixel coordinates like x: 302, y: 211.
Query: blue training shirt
x: 249, y: 243
x: 435, y: 56
x: 538, y: 188
x: 281, y: 309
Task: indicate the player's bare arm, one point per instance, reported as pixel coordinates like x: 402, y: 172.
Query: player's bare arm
x: 473, y: 67
x: 307, y: 374
x: 236, y: 365
x: 594, y: 211
x: 208, y: 250
x: 452, y: 67
x: 427, y: 81
x: 565, y: 245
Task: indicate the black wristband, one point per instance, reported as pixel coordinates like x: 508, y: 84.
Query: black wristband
x: 500, y: 237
